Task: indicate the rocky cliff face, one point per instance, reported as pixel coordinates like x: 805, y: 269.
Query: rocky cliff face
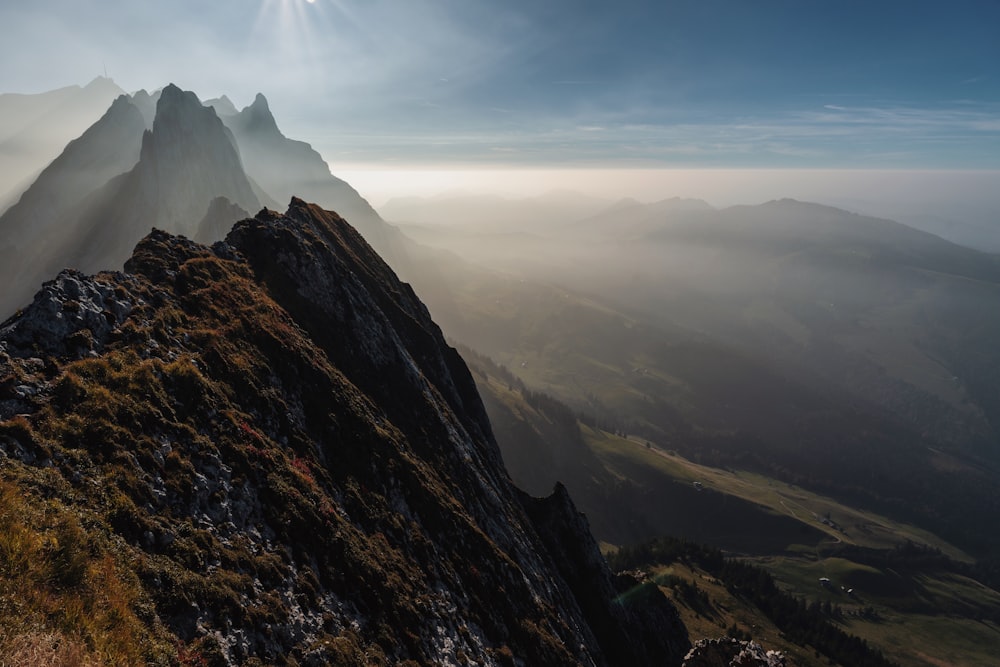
x: 728, y: 652
x: 269, y: 445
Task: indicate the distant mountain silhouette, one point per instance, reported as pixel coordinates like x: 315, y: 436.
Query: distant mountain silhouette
x: 36, y: 229
x: 35, y: 128
x: 219, y: 218
x: 493, y: 213
x: 108, y: 148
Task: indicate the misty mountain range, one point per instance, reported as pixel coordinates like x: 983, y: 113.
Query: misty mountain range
x: 846, y: 353
x: 803, y: 284
x: 167, y: 161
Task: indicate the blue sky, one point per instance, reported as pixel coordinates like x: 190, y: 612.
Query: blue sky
x: 668, y: 83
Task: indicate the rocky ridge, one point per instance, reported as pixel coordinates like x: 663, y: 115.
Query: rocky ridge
x: 269, y: 441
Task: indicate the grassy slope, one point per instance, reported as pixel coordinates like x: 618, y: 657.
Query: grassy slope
x: 720, y: 611
x: 860, y: 527
x: 68, y: 595
x: 921, y: 620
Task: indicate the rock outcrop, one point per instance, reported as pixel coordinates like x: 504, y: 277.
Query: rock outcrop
x: 633, y: 622
x: 729, y: 652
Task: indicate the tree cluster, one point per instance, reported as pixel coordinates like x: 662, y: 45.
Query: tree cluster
x: 800, y: 622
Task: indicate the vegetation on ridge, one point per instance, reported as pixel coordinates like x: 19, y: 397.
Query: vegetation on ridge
x: 259, y: 499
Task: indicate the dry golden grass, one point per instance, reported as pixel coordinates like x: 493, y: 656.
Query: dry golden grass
x: 46, y: 649
x: 63, y: 598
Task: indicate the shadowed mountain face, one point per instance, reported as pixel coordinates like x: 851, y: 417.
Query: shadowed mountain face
x: 35, y: 128
x: 108, y: 148
x: 272, y: 438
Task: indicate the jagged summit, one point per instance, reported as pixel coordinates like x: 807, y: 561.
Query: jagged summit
x: 257, y: 116
x: 270, y: 439
x: 188, y: 159
x: 146, y: 104
x: 222, y: 105
x: 287, y: 168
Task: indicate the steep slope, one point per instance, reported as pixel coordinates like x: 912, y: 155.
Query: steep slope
x: 271, y: 440
x: 35, y: 128
x: 108, y: 148
x: 286, y: 168
x: 187, y: 160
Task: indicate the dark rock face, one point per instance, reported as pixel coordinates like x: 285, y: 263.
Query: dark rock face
x: 71, y: 316
x: 219, y: 219
x: 634, y: 624
x: 296, y: 467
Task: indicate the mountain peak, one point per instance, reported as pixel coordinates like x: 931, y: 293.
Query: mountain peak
x: 223, y: 106
x: 260, y: 102
x: 257, y: 116
x: 173, y: 97
x: 186, y: 160
x: 103, y: 83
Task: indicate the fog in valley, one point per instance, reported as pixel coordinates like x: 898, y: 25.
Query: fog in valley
x: 961, y: 206
x: 887, y: 313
